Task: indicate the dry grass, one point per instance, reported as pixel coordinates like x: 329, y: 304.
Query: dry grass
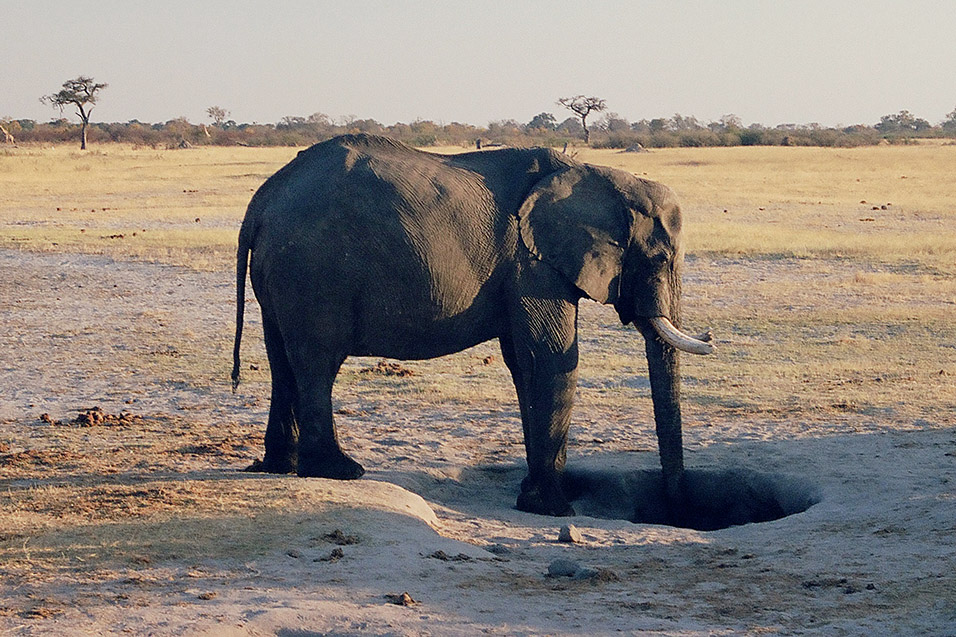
x: 810, y: 202
x: 794, y: 202
x: 180, y: 206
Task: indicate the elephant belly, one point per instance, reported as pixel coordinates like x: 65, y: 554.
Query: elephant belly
x: 423, y: 330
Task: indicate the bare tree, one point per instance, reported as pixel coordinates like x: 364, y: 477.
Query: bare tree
x: 80, y: 92
x: 583, y: 106
x: 218, y: 115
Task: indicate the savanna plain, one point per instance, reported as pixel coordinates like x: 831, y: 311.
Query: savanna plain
x: 828, y: 277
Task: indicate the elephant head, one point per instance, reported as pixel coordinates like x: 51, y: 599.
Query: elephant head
x: 618, y: 239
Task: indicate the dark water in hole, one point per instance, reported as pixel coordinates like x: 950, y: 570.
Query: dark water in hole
x: 714, y: 498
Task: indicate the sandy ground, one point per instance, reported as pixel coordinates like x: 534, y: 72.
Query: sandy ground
x: 433, y: 517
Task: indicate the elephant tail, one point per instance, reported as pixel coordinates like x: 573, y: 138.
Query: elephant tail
x: 242, y: 266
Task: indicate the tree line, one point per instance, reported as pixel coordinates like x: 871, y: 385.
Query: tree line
x: 610, y: 131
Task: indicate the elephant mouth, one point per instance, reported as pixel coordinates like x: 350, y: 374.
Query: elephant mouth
x: 677, y: 339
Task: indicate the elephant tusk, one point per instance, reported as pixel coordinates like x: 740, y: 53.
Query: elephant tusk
x: 674, y: 337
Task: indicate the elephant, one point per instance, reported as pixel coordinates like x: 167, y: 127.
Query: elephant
x: 363, y: 246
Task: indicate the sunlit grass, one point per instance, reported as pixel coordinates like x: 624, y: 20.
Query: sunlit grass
x: 756, y: 202
x: 184, y: 206
x: 883, y: 204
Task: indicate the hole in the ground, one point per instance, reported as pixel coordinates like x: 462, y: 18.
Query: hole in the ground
x: 715, y: 498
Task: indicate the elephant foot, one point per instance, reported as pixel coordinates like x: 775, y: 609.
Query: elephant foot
x: 547, y: 500
x: 336, y: 466
x: 271, y: 465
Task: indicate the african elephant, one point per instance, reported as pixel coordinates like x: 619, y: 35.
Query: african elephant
x: 362, y: 246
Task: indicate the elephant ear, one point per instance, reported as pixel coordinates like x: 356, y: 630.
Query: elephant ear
x: 574, y: 220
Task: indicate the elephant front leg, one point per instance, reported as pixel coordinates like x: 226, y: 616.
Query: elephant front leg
x: 549, y: 397
x: 542, y: 355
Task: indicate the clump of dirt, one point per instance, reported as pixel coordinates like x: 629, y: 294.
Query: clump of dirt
x: 340, y: 538
x: 94, y: 417
x: 32, y: 458
x: 224, y: 448
x: 386, y: 368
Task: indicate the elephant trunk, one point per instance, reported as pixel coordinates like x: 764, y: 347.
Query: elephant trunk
x: 663, y: 342
x: 664, y: 369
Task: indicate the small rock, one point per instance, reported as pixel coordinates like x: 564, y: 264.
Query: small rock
x: 293, y: 553
x: 401, y: 600
x: 334, y: 556
x: 208, y: 596
x: 445, y: 557
x: 597, y: 575
x: 570, y: 533
x: 563, y: 568
x: 499, y: 549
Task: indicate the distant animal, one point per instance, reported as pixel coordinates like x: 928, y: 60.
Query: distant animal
x: 362, y: 246
x: 7, y: 137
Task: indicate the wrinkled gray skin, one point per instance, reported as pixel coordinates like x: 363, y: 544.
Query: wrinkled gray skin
x: 362, y: 246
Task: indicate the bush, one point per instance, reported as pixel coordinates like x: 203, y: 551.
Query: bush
x: 301, y: 131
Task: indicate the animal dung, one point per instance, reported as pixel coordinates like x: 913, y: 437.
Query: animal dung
x: 385, y: 368
x: 94, y: 417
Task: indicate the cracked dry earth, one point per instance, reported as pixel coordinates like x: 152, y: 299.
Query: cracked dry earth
x: 124, y: 510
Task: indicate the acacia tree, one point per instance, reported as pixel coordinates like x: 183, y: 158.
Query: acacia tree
x: 80, y: 92
x: 949, y: 124
x: 544, y: 121
x: 583, y: 106
x: 218, y: 115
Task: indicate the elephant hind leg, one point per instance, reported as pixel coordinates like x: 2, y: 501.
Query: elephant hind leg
x: 319, y: 453
x: 282, y: 431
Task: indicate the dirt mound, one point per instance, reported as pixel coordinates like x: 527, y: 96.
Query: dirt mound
x: 94, y: 417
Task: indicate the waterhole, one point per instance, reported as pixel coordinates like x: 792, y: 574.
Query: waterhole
x: 713, y: 498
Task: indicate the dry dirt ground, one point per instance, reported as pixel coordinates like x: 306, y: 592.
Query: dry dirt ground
x: 123, y: 509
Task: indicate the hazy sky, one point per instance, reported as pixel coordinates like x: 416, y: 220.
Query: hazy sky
x: 768, y: 61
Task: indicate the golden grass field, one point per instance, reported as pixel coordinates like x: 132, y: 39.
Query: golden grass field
x: 827, y: 275
x: 752, y: 201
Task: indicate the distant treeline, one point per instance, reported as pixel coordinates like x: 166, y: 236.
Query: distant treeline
x: 611, y: 131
